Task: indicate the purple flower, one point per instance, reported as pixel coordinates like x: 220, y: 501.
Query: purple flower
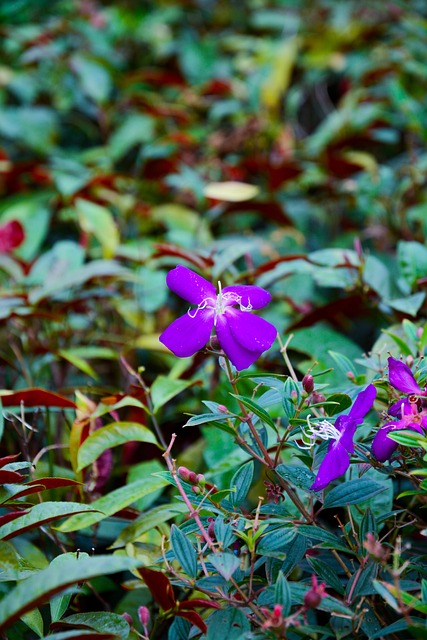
x: 340, y: 436
x: 242, y: 336
x: 410, y: 411
x: 402, y: 378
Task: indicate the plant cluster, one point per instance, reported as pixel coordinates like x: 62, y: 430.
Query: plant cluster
x: 213, y: 270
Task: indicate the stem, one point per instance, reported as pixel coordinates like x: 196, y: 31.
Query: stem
x: 283, y: 351
x: 267, y: 460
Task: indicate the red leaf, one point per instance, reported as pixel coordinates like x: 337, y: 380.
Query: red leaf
x: 11, y: 236
x: 160, y: 587
x: 164, y: 249
x: 35, y: 397
x: 8, y: 517
x: 194, y: 618
x: 7, y: 459
x: 54, y: 483
x: 9, y: 477
x: 198, y: 602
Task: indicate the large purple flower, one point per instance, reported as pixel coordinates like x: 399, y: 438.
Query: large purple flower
x: 410, y: 411
x: 340, y: 436
x: 242, y: 336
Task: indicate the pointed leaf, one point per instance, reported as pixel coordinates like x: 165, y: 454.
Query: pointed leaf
x: 113, y: 502
x: 225, y: 563
x: 39, y: 588
x: 160, y: 587
x: 40, y: 514
x: 112, y: 435
x: 352, y: 492
x: 241, y: 483
x: 184, y: 551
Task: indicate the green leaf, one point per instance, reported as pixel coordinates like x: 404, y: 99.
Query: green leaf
x: 412, y: 259
x: 352, y: 492
x: 257, y: 410
x: 344, y: 364
x: 273, y: 543
x: 102, y: 622
x: 282, y: 593
x: 328, y: 540
x: 409, y: 305
x: 135, y: 129
x: 184, y: 551
x: 98, y: 221
x: 112, y: 435
x: 113, y: 502
x: 342, y: 402
x: 37, y: 589
x: 241, y: 483
x: 164, y: 389
x: 229, y: 623
x: 329, y: 604
x: 76, y: 634
x: 148, y: 521
x: 33, y: 619
x: 300, y: 477
x: 291, y: 397
x: 12, y: 565
x: 40, y: 514
x: 78, y: 362
x: 326, y: 573
x: 225, y: 563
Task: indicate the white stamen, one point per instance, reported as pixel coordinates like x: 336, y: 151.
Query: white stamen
x: 220, y: 303
x: 324, y: 430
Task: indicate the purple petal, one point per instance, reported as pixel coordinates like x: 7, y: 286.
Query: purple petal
x: 347, y: 426
x: 363, y: 403
x: 401, y: 377
x: 251, y: 332
x: 252, y: 296
x: 396, y: 409
x: 189, y: 286
x: 382, y: 446
x: 240, y: 357
x: 334, y: 465
x: 187, y: 334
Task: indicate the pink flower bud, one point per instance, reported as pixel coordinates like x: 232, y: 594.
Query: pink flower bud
x: 314, y: 596
x: 187, y: 475
x: 409, y: 360
x: 222, y: 408
x: 144, y: 616
x: 128, y: 618
x: 308, y: 383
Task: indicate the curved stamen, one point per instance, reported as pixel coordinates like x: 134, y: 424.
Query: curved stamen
x: 324, y: 430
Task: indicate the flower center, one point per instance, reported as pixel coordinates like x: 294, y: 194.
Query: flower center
x: 220, y: 303
x: 324, y: 430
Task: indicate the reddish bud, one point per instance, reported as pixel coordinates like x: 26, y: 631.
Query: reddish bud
x: 222, y: 408
x: 187, y: 475
x: 128, y: 618
x: 409, y: 360
x: 144, y: 616
x: 318, y: 397
x: 350, y: 375
x: 308, y: 383
x: 314, y: 596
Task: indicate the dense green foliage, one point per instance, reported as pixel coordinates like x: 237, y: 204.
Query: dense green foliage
x: 268, y: 142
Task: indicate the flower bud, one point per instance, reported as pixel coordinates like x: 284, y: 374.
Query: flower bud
x: 128, y: 618
x: 308, y: 383
x: 409, y: 360
x: 201, y: 480
x: 350, y: 375
x: 187, y: 475
x: 419, y: 332
x: 144, y: 616
x: 222, y: 408
x: 318, y: 397
x: 211, y: 527
x: 314, y: 596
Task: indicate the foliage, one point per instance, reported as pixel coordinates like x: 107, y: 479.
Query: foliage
x: 281, y: 146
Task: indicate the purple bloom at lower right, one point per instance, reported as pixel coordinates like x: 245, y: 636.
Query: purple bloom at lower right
x: 411, y: 411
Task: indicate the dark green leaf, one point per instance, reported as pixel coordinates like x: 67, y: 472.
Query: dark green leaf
x: 225, y: 563
x: 241, y: 483
x: 184, y: 551
x: 37, y: 589
x: 282, y: 594
x: 352, y: 492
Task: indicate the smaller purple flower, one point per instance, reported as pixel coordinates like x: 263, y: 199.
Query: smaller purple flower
x: 340, y: 436
x: 402, y: 378
x: 412, y: 417
x: 410, y: 411
x: 242, y: 336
